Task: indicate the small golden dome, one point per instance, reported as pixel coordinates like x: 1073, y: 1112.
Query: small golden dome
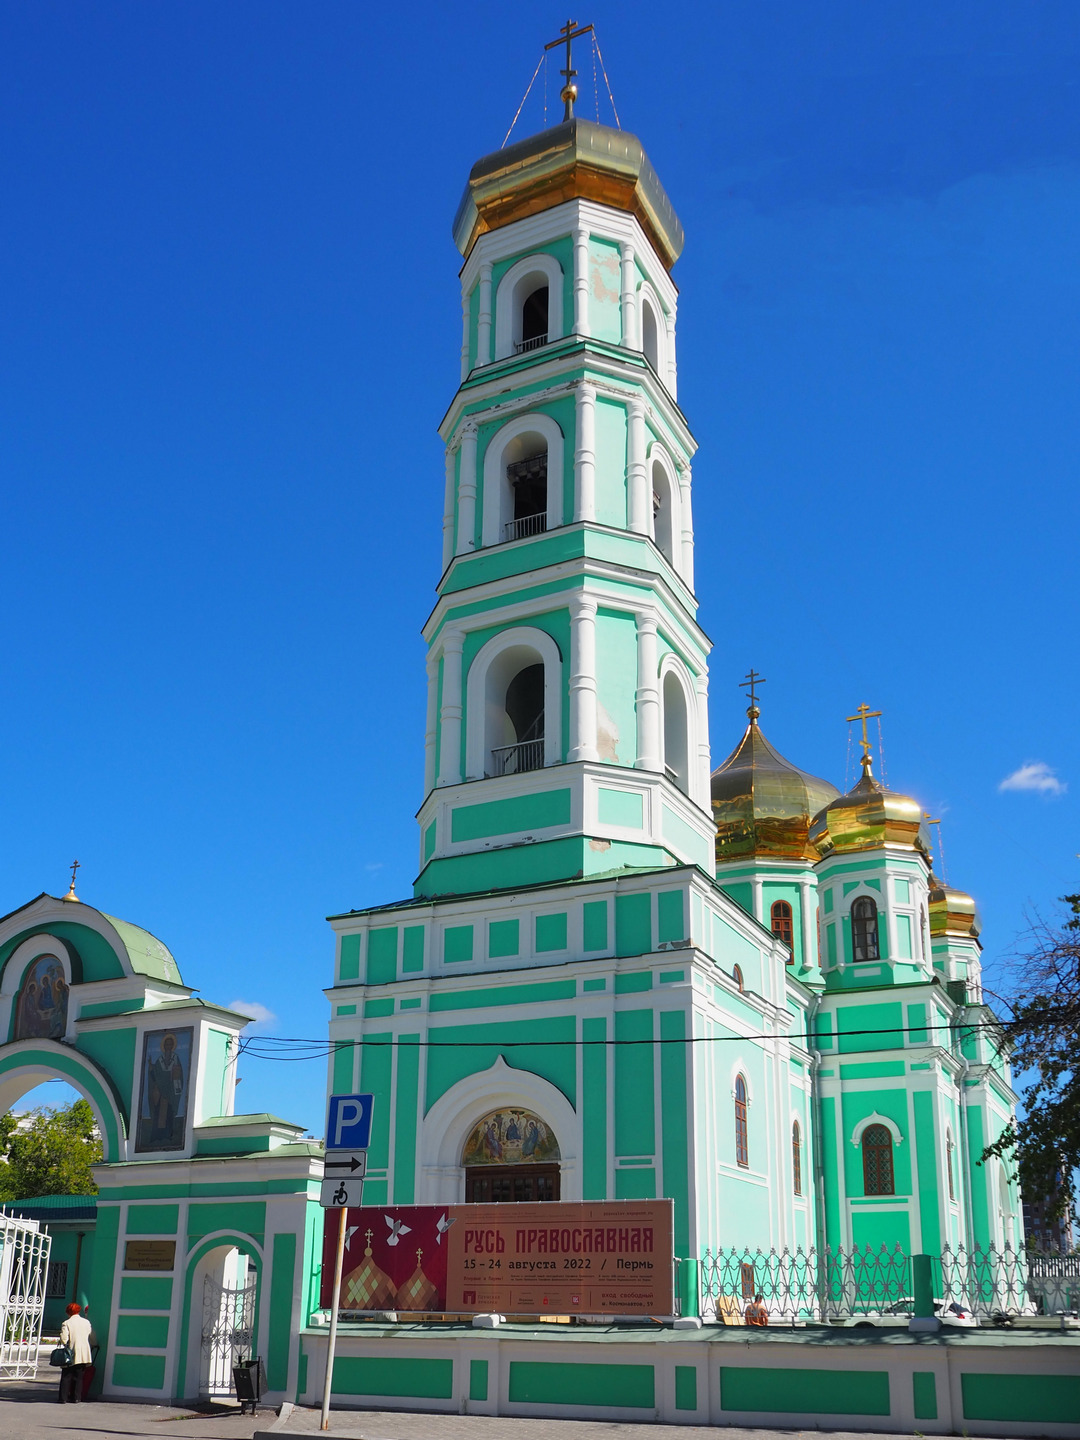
x: 762, y: 803
x: 952, y: 912
x: 868, y: 817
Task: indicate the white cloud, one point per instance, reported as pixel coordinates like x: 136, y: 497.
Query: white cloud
x: 259, y: 1013
x: 1034, y: 775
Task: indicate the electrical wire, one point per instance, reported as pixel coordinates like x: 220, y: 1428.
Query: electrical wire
x: 263, y: 1047
x: 607, y: 82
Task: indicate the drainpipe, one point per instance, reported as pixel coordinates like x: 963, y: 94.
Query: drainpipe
x: 815, y: 1101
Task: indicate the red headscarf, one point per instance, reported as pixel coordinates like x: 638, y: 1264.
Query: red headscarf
x: 74, y: 1309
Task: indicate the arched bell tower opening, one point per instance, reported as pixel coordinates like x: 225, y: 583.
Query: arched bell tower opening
x: 526, y: 498
x: 511, y: 1155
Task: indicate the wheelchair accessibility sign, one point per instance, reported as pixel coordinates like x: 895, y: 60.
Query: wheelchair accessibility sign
x: 348, y: 1134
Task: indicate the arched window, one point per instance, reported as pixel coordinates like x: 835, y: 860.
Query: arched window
x: 523, y: 720
x: 782, y: 926
x: 650, y: 334
x: 526, y: 462
x: 796, y: 1158
x: 742, y: 1148
x: 676, y: 746
x: 877, y: 1160
x: 512, y: 704
x: 949, y: 1164
x: 663, y: 512
x: 864, y: 935
x: 736, y: 975
x: 534, y: 320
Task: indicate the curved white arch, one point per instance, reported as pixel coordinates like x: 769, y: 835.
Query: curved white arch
x: 737, y: 1069
x: 450, y: 1121
x: 19, y: 961
x: 25, y: 1064
x: 498, y: 502
x: 673, y: 666
x: 648, y: 298
x: 512, y: 292
x: 477, y: 728
x: 665, y: 524
x: 876, y: 1119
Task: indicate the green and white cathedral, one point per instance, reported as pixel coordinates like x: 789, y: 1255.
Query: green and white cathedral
x: 794, y: 999
x: 643, y: 978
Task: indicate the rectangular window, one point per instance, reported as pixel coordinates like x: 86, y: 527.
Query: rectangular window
x: 57, y: 1283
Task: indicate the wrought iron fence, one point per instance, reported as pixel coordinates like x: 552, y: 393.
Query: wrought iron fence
x: 514, y: 759
x: 527, y: 525
x: 845, y: 1285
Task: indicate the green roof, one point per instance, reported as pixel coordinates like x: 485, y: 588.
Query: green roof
x: 147, y: 954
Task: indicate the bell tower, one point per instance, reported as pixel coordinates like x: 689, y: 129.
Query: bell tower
x: 567, y: 721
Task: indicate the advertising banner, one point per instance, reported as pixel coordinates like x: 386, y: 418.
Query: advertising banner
x: 603, y: 1257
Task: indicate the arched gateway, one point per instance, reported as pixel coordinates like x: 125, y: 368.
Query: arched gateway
x: 201, y: 1212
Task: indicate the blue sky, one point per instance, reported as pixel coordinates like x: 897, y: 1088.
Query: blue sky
x: 230, y: 324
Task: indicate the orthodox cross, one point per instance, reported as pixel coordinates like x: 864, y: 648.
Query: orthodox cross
x: 569, y: 90
x: 71, y: 893
x: 864, y: 713
x: 753, y: 679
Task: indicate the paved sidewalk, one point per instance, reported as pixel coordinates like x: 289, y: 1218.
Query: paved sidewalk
x: 28, y: 1411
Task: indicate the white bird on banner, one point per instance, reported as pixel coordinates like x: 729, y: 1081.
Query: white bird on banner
x: 397, y: 1229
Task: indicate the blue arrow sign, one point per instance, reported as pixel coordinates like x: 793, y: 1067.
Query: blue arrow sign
x: 348, y: 1123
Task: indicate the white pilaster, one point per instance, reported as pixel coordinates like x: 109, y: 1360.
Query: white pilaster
x: 637, y: 500
x: 450, y: 713
x: 672, y: 380
x: 448, y: 507
x: 432, y: 716
x: 581, y: 281
x: 465, y: 307
x: 647, y: 695
x: 807, y: 898
x: 583, y: 679
x: 483, y: 328
x: 466, y: 533
x: 702, y: 788
x: 630, y: 337
x: 686, y: 569
x: 585, y: 454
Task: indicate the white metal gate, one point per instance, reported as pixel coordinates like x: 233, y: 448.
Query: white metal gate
x: 24, y: 1264
x: 228, y: 1330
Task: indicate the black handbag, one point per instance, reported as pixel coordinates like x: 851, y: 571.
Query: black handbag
x: 61, y: 1357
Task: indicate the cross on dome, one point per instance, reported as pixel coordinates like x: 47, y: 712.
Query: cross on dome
x: 864, y: 713
x: 753, y: 679
x: 569, y: 91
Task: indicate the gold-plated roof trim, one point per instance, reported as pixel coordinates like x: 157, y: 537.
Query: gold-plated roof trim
x: 868, y: 817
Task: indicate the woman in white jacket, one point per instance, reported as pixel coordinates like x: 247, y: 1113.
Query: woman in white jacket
x: 77, y: 1335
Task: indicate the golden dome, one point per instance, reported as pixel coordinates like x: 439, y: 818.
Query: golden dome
x: 952, y: 912
x: 868, y: 817
x: 762, y: 803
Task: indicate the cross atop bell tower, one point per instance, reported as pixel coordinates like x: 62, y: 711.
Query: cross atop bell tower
x: 569, y: 92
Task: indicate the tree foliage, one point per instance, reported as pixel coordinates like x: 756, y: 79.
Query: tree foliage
x: 51, y: 1155
x: 1044, y: 1032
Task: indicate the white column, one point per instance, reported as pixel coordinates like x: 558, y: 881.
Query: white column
x: 686, y: 569
x: 672, y: 369
x: 450, y: 713
x: 647, y: 695
x: 703, y: 787
x: 629, y: 298
x: 581, y: 281
x: 466, y: 531
x: 637, y: 497
x: 583, y: 679
x: 806, y: 899
x: 432, y: 716
x: 585, y: 454
x: 448, y: 507
x: 465, y: 308
x: 758, y: 893
x: 483, y: 327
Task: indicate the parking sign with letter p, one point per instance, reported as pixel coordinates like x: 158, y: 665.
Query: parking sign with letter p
x: 348, y: 1122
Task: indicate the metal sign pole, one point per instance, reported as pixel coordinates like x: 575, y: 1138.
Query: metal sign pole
x: 334, y: 1304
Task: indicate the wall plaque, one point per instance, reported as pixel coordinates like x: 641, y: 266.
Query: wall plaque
x: 149, y: 1254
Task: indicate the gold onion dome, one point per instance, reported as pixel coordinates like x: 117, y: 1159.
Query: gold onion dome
x: 868, y: 817
x: 762, y: 804
x: 951, y: 912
